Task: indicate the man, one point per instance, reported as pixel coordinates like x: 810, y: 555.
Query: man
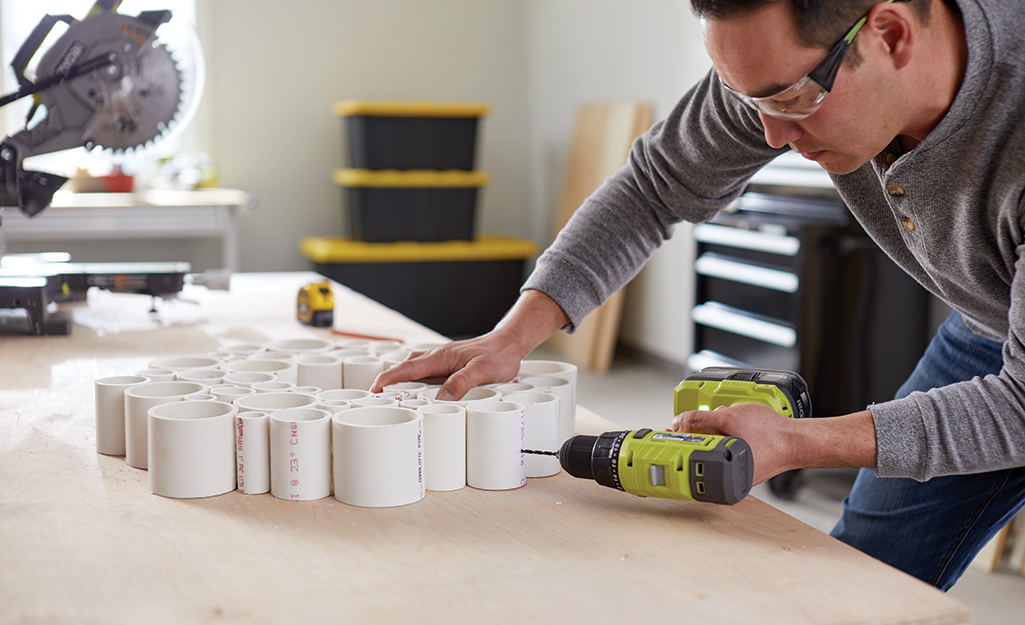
x: 920, y: 125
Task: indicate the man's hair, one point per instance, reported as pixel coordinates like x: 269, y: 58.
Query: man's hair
x: 820, y: 23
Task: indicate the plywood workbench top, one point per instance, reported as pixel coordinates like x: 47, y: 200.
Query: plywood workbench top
x: 83, y: 540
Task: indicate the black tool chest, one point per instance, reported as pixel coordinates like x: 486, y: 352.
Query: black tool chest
x: 788, y: 282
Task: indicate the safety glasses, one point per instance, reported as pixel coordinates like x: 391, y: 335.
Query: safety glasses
x: 804, y: 97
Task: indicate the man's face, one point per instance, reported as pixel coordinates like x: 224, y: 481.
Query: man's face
x: 759, y: 54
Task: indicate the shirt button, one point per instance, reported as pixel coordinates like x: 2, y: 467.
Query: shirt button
x: 891, y: 158
x: 907, y: 223
x: 896, y: 191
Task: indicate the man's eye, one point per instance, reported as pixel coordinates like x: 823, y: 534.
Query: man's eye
x: 783, y: 104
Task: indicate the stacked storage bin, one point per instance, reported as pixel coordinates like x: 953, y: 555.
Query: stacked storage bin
x: 411, y: 194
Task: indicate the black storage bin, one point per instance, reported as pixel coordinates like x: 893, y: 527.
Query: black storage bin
x: 389, y: 206
x: 411, y: 135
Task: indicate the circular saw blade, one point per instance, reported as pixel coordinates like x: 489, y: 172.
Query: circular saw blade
x: 137, y: 98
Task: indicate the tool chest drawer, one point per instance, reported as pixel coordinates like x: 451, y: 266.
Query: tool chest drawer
x: 751, y: 352
x: 760, y: 341
x: 746, y: 285
x: 778, y: 250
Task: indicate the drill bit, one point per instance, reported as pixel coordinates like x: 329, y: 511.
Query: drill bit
x: 540, y: 453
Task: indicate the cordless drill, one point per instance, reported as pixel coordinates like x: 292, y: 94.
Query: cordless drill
x: 691, y: 467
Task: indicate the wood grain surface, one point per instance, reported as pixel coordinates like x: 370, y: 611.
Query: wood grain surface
x: 82, y: 540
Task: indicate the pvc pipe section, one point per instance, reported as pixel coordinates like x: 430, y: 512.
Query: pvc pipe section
x: 138, y: 400
x: 252, y: 452
x: 378, y: 456
x: 359, y: 372
x: 110, y: 412
x: 541, y: 430
x: 444, y: 446
x: 564, y: 370
x: 300, y: 454
x: 322, y: 370
x: 566, y: 393
x: 494, y: 445
x: 190, y: 447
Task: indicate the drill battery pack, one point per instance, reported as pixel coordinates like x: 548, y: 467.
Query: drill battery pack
x: 785, y: 392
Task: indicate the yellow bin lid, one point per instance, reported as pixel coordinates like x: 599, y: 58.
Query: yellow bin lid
x: 395, y: 108
x: 328, y: 250
x: 410, y: 178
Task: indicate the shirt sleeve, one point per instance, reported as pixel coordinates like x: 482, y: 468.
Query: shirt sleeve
x: 969, y: 427
x: 687, y: 167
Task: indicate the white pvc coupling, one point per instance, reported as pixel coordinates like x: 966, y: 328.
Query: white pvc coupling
x: 300, y: 453
x: 378, y: 456
x: 475, y: 394
x: 406, y: 390
x: 269, y: 402
x: 541, y: 424
x: 206, y: 375
x: 564, y: 390
x: 343, y: 394
x: 274, y: 386
x: 364, y: 402
x: 252, y: 452
x: 157, y: 375
x: 564, y: 370
x: 110, y: 412
x: 285, y: 370
x: 359, y: 372
x: 323, y: 370
x: 300, y: 346
x: 138, y: 400
x: 190, y: 449
x: 229, y: 394
x: 495, y: 436
x: 178, y: 363
x: 247, y: 379
x: 444, y: 446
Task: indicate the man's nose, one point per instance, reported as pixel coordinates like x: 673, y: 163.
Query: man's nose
x: 779, y: 132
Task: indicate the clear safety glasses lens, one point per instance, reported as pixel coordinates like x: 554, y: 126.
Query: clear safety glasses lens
x: 795, y: 102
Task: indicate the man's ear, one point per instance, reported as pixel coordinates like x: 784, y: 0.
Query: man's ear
x: 896, y: 31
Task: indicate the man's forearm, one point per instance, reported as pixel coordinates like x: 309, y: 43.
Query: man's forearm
x: 847, y: 441
x: 781, y: 443
x: 531, y: 320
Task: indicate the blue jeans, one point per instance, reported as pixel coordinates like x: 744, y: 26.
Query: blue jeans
x: 934, y: 529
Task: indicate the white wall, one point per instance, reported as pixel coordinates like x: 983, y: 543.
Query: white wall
x: 604, y: 50
x: 275, y: 69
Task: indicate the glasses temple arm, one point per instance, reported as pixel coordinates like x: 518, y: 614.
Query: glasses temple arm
x: 826, y: 71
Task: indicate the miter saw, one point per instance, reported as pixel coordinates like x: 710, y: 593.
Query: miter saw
x: 109, y: 82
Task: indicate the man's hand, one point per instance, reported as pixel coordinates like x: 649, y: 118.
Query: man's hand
x: 482, y: 360
x: 781, y: 443
x: 493, y: 357
x: 768, y: 433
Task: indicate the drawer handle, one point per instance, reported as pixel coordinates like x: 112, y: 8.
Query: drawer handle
x: 748, y: 239
x: 708, y: 358
x: 718, y: 267
x: 716, y: 315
